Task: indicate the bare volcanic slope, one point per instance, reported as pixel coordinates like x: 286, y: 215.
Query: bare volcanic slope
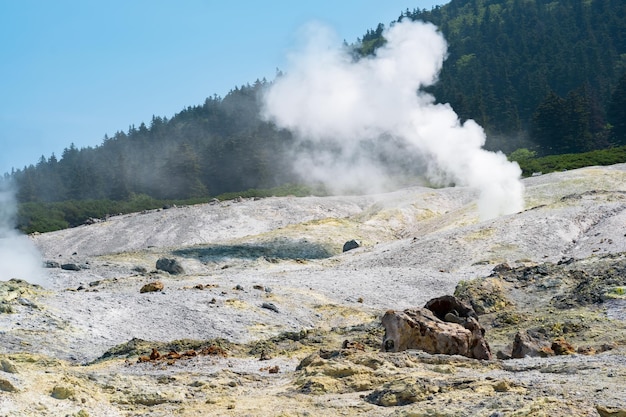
x: 267, y: 279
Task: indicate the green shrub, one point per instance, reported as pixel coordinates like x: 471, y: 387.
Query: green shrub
x: 552, y: 163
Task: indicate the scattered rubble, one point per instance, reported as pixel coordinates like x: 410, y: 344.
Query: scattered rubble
x: 554, y: 273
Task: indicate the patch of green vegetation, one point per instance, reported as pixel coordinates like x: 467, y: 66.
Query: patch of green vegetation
x: 137, y: 347
x: 48, y: 217
x: 530, y: 164
x: 508, y: 318
x: 617, y: 292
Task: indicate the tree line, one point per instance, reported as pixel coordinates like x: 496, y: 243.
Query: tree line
x: 210, y: 149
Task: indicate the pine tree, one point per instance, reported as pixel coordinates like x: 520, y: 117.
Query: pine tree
x: 617, y: 112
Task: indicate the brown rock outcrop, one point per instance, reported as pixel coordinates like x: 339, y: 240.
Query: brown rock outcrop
x: 562, y: 347
x: 420, y: 328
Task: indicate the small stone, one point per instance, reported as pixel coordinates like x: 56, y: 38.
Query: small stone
x: 502, y: 386
x: 152, y: 287
x: 8, y: 366
x: 61, y: 393
x: 52, y: 264
x: 6, y: 308
x: 7, y: 386
x: 140, y: 269
x: 610, y: 412
x: 270, y: 306
x: 274, y: 369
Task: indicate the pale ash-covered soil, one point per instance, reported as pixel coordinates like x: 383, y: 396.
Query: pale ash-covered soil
x: 417, y: 243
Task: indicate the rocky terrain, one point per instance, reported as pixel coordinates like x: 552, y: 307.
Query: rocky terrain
x: 263, y: 314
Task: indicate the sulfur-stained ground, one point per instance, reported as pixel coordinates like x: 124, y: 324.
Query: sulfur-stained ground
x: 270, y: 318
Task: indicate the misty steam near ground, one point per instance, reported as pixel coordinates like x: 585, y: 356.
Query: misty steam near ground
x: 360, y: 122
x: 19, y: 258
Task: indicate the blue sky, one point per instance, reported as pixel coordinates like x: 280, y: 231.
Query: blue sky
x: 73, y: 70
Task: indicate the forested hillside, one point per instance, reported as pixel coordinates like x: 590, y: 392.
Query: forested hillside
x: 536, y: 73
x: 217, y: 147
x: 549, y: 76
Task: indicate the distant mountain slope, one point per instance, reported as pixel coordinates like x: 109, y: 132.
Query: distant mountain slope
x: 544, y: 75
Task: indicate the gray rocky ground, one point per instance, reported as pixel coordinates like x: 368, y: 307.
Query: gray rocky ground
x: 267, y: 279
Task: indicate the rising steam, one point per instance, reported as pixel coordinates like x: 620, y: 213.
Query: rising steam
x: 18, y: 256
x: 358, y: 122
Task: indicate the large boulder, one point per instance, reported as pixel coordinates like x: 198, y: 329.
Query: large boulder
x: 421, y: 328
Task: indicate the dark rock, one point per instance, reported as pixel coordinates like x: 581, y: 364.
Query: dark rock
x: 351, y: 244
x: 525, y: 344
x: 170, y: 265
x: 448, y: 304
x: 503, y: 355
x: 70, y: 267
x: 503, y: 267
x: 270, y: 306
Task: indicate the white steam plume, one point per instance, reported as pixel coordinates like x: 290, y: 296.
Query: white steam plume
x: 19, y: 258
x: 346, y: 113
